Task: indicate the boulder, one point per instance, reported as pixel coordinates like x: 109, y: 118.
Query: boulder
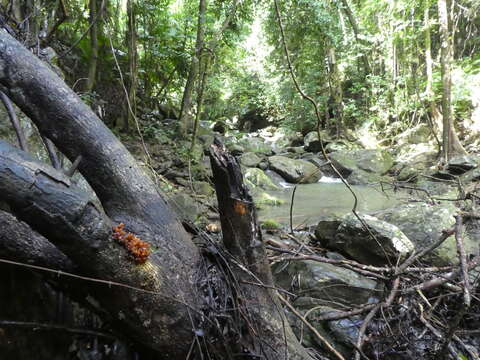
x: 343, y: 332
x: 471, y: 175
x: 186, y: 206
x: 255, y: 145
x: 295, y: 171
x: 327, y: 229
x: 460, y: 164
x: 249, y: 159
x: 263, y: 200
x: 203, y: 188
x: 311, y: 142
x: 423, y: 224
x: 371, y: 161
x: 255, y: 177
x: 353, y: 239
x: 327, y: 283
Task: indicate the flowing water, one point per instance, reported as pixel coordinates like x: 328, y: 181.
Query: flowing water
x: 327, y: 197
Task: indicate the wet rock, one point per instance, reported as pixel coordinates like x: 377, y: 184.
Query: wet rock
x: 327, y: 229
x: 423, y: 224
x: 186, y: 206
x: 462, y: 163
x: 353, y: 239
x: 263, y: 199
x: 255, y: 177
x: 203, y: 188
x: 295, y: 171
x: 250, y: 159
x: 370, y: 161
x: 327, y: 283
x: 236, y: 149
x: 256, y: 145
x: 311, y: 142
x: 471, y: 175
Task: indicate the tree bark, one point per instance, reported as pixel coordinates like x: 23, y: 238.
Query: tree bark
x: 127, y: 194
x: 336, y: 92
x: 451, y: 143
x: 268, y: 334
x: 92, y: 64
x: 131, y: 104
x: 356, y: 32
x: 194, y: 69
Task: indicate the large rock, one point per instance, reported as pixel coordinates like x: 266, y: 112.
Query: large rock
x: 462, y: 163
x: 342, y: 334
x: 423, y: 224
x: 186, y: 206
x: 250, y: 159
x: 471, y: 175
x: 387, y: 244
x: 255, y: 177
x: 255, y: 145
x: 326, y: 229
x: 370, y: 161
x: 311, y: 142
x: 295, y: 171
x: 327, y: 283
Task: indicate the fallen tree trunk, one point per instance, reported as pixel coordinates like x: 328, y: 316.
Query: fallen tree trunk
x: 160, y: 302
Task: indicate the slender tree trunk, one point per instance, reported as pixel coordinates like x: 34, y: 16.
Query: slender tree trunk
x: 336, y: 92
x: 92, y: 65
x: 131, y: 104
x: 194, y: 69
x: 206, y: 58
x: 451, y: 143
x: 356, y: 32
x: 435, y: 117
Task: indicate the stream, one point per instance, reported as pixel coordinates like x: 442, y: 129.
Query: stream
x: 327, y: 197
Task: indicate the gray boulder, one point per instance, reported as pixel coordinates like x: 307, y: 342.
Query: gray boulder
x: 353, y: 239
x: 370, y: 161
x: 295, y: 171
x: 250, y: 159
x: 256, y: 145
x: 326, y: 229
x: 255, y: 177
x: 311, y: 142
x: 462, y: 163
x: 423, y: 224
x: 327, y: 283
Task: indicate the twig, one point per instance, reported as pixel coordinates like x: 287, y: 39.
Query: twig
x: 22, y: 141
x: 74, y: 166
x: 53, y: 327
x: 52, y: 154
x: 466, y: 289
x: 291, y: 209
x: 370, y: 316
x: 315, y: 331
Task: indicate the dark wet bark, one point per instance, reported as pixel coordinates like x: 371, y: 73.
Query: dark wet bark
x: 267, y: 332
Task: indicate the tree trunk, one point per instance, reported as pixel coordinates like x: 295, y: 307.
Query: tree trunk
x: 131, y: 104
x: 177, y: 298
x: 435, y: 118
x: 356, y: 32
x: 336, y: 92
x: 451, y: 143
x: 92, y: 64
x: 194, y: 69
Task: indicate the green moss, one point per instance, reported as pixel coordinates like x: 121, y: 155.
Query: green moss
x: 263, y: 200
x: 270, y: 224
